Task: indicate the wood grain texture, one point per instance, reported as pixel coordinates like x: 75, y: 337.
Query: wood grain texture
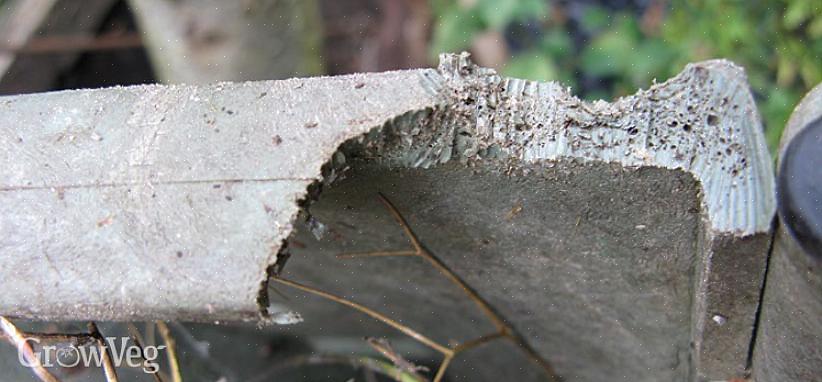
x: 168, y: 202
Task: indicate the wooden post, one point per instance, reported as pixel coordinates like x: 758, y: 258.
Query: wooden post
x: 789, y: 340
x: 197, y: 42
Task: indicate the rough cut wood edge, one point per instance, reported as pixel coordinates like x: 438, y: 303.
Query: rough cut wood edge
x: 702, y: 121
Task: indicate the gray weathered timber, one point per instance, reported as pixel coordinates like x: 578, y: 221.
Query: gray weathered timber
x: 168, y: 201
x: 600, y: 262
x: 204, y: 41
x: 789, y: 337
x: 624, y: 238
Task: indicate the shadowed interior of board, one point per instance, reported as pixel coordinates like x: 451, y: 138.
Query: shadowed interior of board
x: 591, y: 263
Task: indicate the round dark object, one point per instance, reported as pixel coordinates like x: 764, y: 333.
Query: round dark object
x: 799, y: 188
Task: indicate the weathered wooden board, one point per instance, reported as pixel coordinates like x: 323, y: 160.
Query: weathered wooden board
x: 168, y: 201
x: 671, y: 188
x: 789, y: 337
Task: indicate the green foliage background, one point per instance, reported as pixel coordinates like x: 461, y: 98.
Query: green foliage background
x: 778, y: 42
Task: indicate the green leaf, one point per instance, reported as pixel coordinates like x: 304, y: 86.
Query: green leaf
x: 815, y: 28
x: 613, y: 52
x: 811, y: 71
x: 786, y: 70
x: 797, y: 12
x: 652, y: 60
x: 454, y: 30
x: 531, y: 66
x: 595, y: 95
x: 595, y: 18
x: 777, y: 109
x: 557, y: 42
x: 497, y: 14
x: 389, y: 369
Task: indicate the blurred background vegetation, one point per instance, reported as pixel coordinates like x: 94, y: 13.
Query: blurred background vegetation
x: 602, y: 49
x: 607, y: 49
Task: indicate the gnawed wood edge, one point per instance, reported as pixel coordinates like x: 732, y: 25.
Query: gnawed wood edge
x: 132, y: 156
